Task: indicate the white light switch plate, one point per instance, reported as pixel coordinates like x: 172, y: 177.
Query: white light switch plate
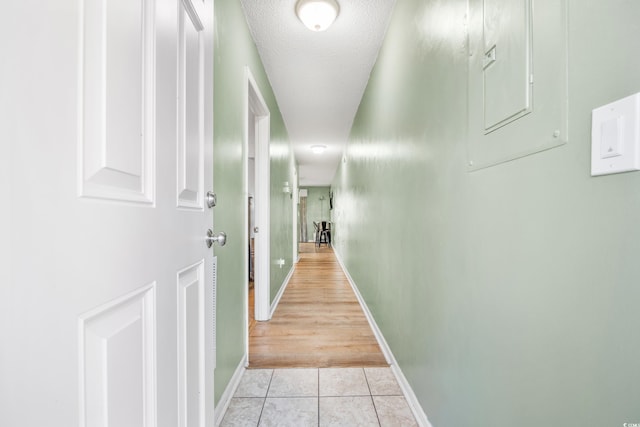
x: 615, y: 137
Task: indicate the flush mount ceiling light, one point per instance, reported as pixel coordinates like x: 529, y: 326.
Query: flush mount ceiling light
x: 318, y: 149
x: 317, y: 15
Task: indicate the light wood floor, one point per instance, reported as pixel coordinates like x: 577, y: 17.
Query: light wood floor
x: 318, y: 323
x: 252, y: 307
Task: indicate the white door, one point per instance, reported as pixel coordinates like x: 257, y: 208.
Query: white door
x: 107, y: 293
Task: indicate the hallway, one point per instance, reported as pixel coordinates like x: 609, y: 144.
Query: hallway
x: 480, y: 169
x: 318, y: 322
x: 317, y: 361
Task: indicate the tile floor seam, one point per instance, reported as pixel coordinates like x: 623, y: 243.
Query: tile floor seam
x: 375, y: 409
x: 261, y: 411
x: 292, y: 397
x: 346, y: 395
x: 366, y: 378
x: 264, y: 402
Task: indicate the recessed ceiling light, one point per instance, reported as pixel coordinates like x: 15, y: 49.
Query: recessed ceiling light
x: 318, y: 149
x: 317, y: 15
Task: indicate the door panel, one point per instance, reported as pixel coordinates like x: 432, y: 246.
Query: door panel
x: 108, y: 305
x: 116, y: 85
x: 506, y: 61
x: 191, y: 327
x: 191, y: 110
x: 117, y: 362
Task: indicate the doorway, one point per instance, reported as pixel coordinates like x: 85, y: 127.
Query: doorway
x: 257, y: 191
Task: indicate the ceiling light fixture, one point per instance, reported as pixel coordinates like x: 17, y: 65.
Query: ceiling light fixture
x: 318, y: 149
x: 317, y: 15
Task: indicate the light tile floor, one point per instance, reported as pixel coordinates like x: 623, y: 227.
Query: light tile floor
x: 318, y: 397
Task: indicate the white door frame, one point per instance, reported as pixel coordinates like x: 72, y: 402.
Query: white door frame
x: 256, y: 107
x: 295, y: 208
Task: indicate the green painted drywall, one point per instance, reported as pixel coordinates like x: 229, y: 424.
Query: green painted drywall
x: 508, y: 295
x: 282, y: 213
x: 234, y: 49
x: 317, y: 210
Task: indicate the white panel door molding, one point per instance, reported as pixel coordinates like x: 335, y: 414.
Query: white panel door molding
x: 109, y: 320
x: 117, y: 361
x: 116, y: 91
x: 191, y: 342
x: 190, y: 108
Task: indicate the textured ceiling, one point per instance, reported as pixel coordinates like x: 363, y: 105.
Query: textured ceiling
x: 318, y: 77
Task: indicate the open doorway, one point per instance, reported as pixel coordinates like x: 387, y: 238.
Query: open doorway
x: 251, y: 246
x: 257, y: 186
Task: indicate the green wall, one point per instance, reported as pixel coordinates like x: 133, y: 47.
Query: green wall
x: 508, y: 295
x: 317, y: 210
x: 282, y: 218
x: 234, y: 49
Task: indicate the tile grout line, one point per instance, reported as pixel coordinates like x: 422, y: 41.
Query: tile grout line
x: 371, y: 396
x: 375, y: 410
x: 366, y: 378
x: 264, y: 402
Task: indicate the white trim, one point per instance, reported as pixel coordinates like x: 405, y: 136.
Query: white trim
x: 245, y: 209
x: 276, y: 300
x: 225, y: 399
x: 295, y: 208
x: 255, y: 103
x: 412, y: 400
x: 410, y: 396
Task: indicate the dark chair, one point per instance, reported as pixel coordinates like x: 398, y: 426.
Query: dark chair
x: 325, y: 233
x: 317, y: 233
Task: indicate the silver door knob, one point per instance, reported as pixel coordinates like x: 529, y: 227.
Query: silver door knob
x: 256, y: 229
x: 219, y: 238
x: 211, y: 198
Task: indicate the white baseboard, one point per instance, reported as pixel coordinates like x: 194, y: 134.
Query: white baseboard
x: 276, y: 300
x: 225, y: 399
x: 412, y: 400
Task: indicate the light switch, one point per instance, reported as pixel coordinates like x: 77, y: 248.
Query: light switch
x: 615, y: 142
x: 612, y: 137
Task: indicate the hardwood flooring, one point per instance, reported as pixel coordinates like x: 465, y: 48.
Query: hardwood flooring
x: 252, y: 306
x: 318, y: 322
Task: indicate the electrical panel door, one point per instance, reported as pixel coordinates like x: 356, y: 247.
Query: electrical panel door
x: 506, y: 62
